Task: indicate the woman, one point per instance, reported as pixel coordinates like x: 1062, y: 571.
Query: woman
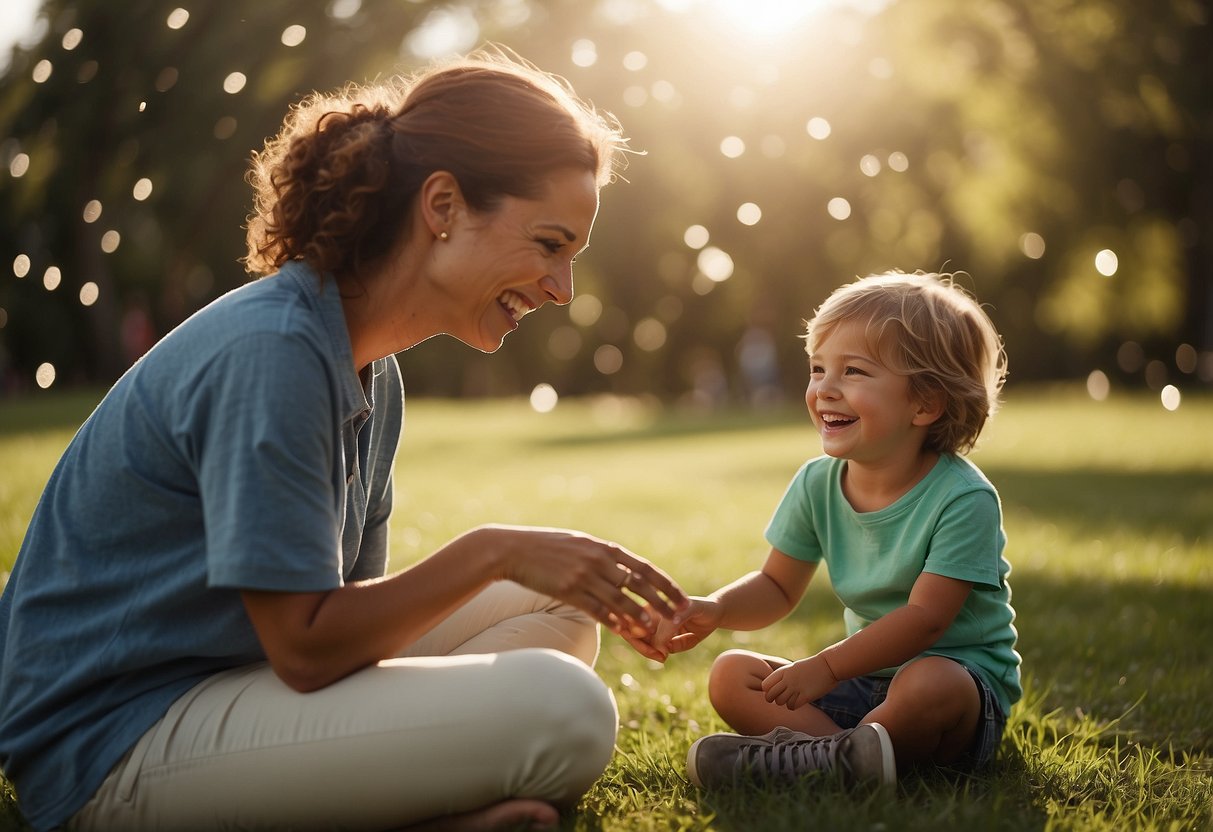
x: 197, y: 632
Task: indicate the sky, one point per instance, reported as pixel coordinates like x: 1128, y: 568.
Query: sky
x: 16, y: 21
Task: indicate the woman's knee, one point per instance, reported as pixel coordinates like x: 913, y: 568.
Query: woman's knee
x: 566, y: 721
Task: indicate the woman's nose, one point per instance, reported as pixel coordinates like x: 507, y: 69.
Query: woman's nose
x: 558, y: 287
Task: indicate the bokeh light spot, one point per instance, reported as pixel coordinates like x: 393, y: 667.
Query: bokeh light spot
x: 110, y: 241
x: 1170, y: 397
x: 696, y: 237
x: 635, y: 61
x: 635, y: 96
x: 42, y: 71
x: 21, y: 265
x: 234, y: 82
x: 92, y: 211
x: 142, y: 189
x: 818, y: 128
x: 649, y: 334
x: 19, y: 165
x: 1186, y: 358
x: 608, y: 359
x: 72, y: 38
x: 869, y: 165
x: 732, y: 146
x: 585, y: 310
x: 177, y: 18
x: 44, y: 376
x: 1130, y: 357
x: 1098, y: 385
x: 715, y: 264
x: 344, y: 9
x: 166, y: 79
x: 224, y: 128
x: 664, y: 91
x: 445, y: 31
x: 89, y: 293
x: 1106, y: 262
x: 899, y: 162
x: 51, y: 278
x: 839, y: 208
x: 585, y: 53
x: 749, y: 213
x: 294, y: 35
x: 1032, y: 245
x: 544, y: 398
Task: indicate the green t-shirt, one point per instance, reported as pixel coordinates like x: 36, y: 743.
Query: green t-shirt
x: 949, y: 524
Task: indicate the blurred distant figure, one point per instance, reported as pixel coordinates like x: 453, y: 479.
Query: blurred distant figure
x: 759, y: 363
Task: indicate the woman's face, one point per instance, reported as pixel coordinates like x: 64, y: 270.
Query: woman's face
x: 511, y: 260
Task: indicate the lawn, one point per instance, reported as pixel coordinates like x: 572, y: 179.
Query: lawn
x: 1109, y: 514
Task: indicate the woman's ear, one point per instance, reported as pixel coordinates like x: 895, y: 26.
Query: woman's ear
x: 440, y: 202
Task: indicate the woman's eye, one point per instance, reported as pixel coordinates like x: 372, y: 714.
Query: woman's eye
x: 552, y: 245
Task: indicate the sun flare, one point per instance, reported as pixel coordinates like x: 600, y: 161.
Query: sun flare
x: 766, y: 17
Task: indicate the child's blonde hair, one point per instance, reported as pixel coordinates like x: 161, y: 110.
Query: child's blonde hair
x: 928, y: 328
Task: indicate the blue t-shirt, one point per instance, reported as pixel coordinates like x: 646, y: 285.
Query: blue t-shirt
x: 949, y: 524
x: 242, y: 452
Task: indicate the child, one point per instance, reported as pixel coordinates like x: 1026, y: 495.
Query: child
x: 904, y: 371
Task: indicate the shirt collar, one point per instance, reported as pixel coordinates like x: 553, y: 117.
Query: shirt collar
x: 324, y: 294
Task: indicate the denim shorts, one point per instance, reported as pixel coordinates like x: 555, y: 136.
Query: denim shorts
x: 851, y: 701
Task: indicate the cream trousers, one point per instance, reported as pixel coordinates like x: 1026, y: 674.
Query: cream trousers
x: 498, y: 701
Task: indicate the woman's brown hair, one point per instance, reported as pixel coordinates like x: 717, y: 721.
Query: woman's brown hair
x: 335, y: 187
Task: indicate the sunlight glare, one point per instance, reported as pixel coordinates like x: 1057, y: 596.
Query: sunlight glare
x: 766, y: 18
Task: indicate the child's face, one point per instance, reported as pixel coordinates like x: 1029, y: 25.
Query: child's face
x: 861, y: 408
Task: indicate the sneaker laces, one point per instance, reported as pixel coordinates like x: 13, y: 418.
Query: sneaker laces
x: 793, y: 758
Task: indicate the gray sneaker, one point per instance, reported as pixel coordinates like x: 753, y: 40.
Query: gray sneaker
x: 864, y: 753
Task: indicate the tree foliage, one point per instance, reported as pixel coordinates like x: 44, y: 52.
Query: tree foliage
x: 805, y: 143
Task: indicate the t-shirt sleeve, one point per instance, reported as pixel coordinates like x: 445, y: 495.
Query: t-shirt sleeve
x: 268, y: 421
x: 966, y: 543
x: 791, y: 529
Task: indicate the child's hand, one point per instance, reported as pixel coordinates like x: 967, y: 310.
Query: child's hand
x: 695, y: 624
x: 799, y: 683
x: 691, y: 626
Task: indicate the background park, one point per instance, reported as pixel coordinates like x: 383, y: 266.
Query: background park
x: 1058, y: 153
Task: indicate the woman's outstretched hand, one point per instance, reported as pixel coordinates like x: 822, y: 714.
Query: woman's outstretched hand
x: 622, y: 590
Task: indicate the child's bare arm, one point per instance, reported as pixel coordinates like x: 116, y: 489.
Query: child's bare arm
x: 889, y: 641
x: 759, y: 599
x: 751, y: 602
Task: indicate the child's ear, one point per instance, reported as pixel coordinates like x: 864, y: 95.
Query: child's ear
x: 928, y: 410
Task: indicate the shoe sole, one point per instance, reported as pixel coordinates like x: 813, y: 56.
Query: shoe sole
x: 888, y: 767
x: 692, y: 771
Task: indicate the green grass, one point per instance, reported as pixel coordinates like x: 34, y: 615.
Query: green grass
x: 1109, y: 513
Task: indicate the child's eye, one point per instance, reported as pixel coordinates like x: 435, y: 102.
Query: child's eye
x: 816, y: 369
x: 854, y: 371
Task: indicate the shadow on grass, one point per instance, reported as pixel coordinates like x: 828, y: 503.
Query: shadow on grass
x: 1099, y: 501
x: 998, y: 796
